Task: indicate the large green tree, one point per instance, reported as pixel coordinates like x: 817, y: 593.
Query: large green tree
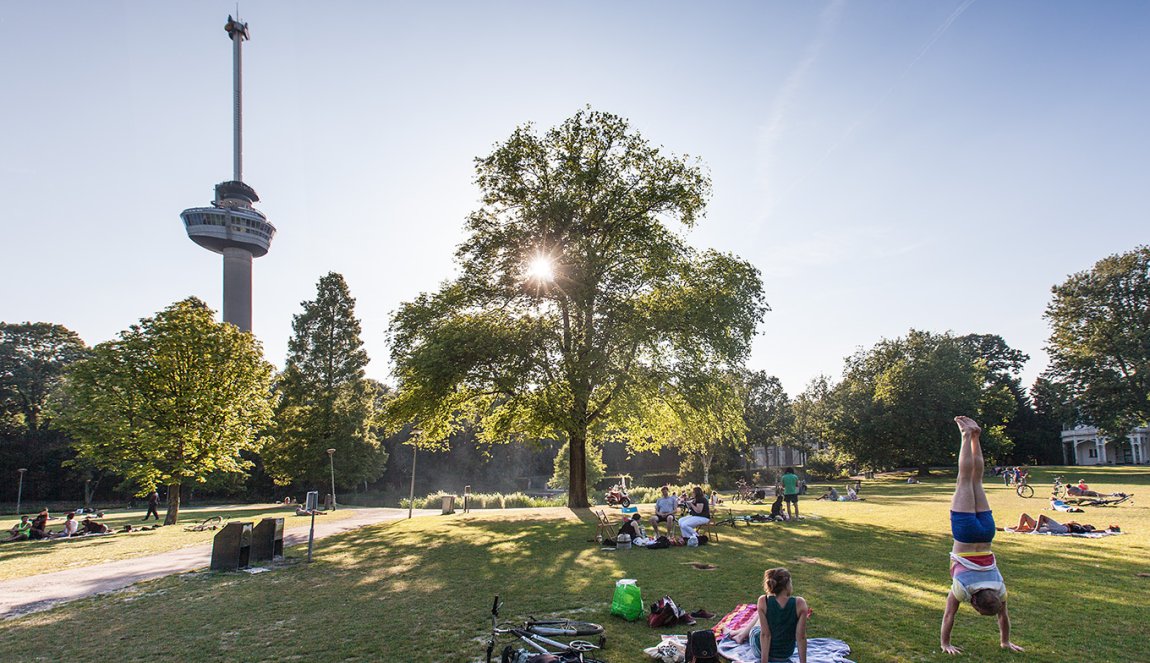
x: 767, y: 412
x: 576, y: 297
x: 325, y: 401
x: 33, y: 358
x: 897, y: 402
x: 171, y: 400
x: 1099, y: 343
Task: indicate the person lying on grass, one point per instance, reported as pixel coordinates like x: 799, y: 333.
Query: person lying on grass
x: 974, y: 574
x: 1048, y: 525
x: 782, y: 622
x: 1044, y: 524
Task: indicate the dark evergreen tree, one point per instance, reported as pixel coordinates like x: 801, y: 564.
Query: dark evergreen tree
x: 325, y: 401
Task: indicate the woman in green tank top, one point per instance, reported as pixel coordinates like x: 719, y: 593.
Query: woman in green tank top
x: 782, y: 622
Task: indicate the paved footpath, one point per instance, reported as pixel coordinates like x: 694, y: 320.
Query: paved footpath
x: 21, y: 596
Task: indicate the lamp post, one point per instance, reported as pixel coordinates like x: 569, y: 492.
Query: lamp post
x: 414, y: 455
x: 20, y: 489
x: 331, y: 461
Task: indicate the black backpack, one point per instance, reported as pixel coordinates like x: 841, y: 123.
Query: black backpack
x: 701, y: 647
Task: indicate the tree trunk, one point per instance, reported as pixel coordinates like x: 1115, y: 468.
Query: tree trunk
x: 577, y: 470
x: 173, y: 515
x: 706, y: 459
x: 924, y: 470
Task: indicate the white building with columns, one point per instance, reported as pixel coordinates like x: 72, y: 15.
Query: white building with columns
x: 1084, y: 445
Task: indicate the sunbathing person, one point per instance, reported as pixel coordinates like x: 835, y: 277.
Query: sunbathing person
x: 1048, y: 525
x: 71, y: 526
x: 94, y: 527
x: 1043, y: 524
x: 21, y: 532
x: 831, y: 495
x: 40, y: 526
x: 974, y: 573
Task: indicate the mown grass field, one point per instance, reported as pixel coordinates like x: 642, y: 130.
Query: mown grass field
x: 23, y: 558
x: 875, y: 573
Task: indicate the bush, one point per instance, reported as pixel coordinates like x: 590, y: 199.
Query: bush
x: 487, y: 501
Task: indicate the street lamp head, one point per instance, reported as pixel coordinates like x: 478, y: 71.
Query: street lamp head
x: 22, y: 470
x: 331, y: 452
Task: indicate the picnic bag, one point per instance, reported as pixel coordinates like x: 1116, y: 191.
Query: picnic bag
x: 701, y: 647
x: 628, y: 600
x: 663, y: 613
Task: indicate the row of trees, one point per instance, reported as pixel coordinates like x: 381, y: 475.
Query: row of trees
x: 181, y: 399
x: 893, y: 404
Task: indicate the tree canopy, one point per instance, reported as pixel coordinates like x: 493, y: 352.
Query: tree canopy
x: 1099, y: 343
x: 33, y: 358
x: 897, y: 401
x: 577, y: 299
x: 170, y: 400
x: 325, y: 402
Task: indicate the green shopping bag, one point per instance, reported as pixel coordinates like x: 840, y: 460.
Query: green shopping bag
x: 628, y: 601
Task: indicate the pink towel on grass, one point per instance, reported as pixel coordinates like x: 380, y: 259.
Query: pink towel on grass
x: 735, y: 620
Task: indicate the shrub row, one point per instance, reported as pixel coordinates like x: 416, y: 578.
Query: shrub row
x: 487, y: 501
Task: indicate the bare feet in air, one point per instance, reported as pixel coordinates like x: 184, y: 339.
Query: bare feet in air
x: 967, y: 425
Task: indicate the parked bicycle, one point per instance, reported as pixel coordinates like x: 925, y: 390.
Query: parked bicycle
x: 534, y: 632
x: 1023, y: 487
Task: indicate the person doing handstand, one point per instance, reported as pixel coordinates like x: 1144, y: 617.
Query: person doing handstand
x: 974, y: 573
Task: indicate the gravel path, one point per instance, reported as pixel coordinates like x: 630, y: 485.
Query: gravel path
x: 40, y: 592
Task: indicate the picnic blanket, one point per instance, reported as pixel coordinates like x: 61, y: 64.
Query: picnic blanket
x: 819, y: 650
x: 734, y: 620
x: 1096, y: 534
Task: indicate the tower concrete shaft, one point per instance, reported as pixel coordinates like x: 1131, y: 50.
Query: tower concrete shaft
x: 231, y: 226
x: 238, y: 287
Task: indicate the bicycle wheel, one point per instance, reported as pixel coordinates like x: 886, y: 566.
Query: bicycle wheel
x: 563, y: 627
x: 1025, y: 490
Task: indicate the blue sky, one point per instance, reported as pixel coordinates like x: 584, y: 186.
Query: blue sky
x: 887, y: 165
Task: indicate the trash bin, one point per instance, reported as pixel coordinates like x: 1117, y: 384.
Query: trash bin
x: 268, y: 540
x: 448, y: 504
x: 232, y: 547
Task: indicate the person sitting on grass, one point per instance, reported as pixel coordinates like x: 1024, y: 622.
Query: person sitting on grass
x: 301, y: 510
x: 782, y: 623
x: 974, y: 573
x: 631, y: 527
x: 40, y: 526
x: 21, y: 532
x: 665, y: 508
x: 831, y: 495
x: 71, y: 526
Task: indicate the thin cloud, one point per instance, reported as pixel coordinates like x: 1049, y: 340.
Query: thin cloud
x: 777, y: 119
x: 866, y: 116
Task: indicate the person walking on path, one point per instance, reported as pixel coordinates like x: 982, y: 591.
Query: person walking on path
x: 153, y: 506
x: 974, y: 573
x: 791, y: 492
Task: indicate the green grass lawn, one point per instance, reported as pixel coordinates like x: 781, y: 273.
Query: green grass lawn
x: 874, y: 572
x: 23, y: 558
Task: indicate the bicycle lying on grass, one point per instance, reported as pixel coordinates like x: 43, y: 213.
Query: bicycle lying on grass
x: 533, y: 633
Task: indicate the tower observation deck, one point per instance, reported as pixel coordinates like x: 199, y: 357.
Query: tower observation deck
x: 230, y: 226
